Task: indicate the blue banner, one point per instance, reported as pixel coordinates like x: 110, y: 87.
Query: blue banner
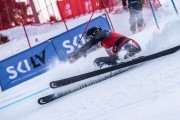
x: 26, y: 65
x: 35, y: 61
x: 67, y: 42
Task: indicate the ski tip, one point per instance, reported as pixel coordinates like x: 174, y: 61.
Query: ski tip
x: 41, y: 101
x: 53, y: 85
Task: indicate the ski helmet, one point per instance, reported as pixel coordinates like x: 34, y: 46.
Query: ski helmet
x: 91, y: 32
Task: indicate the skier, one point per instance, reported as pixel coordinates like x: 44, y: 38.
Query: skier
x: 116, y: 45
x: 135, y: 11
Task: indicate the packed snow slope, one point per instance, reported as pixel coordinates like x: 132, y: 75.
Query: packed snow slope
x: 149, y: 91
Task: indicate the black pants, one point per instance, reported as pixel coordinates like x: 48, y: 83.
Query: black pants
x: 135, y: 18
x: 113, y: 60
x: 110, y: 60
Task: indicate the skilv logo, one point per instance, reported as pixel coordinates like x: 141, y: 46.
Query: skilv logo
x: 24, y: 66
x: 71, y: 46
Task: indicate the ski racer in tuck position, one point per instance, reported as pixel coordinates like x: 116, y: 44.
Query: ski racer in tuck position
x: 116, y: 45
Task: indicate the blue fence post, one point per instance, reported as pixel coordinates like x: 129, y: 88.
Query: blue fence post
x: 152, y: 9
x: 174, y: 6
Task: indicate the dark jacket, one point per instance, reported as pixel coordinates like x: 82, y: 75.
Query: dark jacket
x: 111, y: 41
x: 133, y: 4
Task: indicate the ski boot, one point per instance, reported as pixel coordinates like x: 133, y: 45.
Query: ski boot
x: 129, y: 49
x: 103, y: 62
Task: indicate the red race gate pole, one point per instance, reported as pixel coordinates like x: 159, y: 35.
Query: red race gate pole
x: 108, y: 15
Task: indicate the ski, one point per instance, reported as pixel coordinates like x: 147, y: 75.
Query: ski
x: 70, y: 80
x: 52, y: 97
x: 57, y: 95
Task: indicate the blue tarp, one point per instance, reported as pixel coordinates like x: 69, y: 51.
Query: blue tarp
x: 26, y: 65
x: 35, y: 61
x: 66, y: 43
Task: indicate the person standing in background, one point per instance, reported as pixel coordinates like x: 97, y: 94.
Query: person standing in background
x: 135, y: 10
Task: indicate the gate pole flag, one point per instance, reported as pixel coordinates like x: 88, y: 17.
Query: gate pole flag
x: 152, y: 9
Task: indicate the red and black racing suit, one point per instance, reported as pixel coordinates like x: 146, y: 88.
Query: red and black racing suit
x: 111, y: 41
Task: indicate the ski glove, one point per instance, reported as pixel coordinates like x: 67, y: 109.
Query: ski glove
x: 72, y: 59
x: 75, y: 57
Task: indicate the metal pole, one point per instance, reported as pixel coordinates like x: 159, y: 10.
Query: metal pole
x: 108, y: 15
x: 25, y: 31
x: 87, y: 25
x: 152, y: 9
x: 84, y: 31
x: 22, y: 21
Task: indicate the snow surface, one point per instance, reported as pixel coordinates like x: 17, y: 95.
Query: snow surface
x: 148, y: 92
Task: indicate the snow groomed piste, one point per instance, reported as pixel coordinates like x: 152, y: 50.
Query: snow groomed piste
x: 78, y: 78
